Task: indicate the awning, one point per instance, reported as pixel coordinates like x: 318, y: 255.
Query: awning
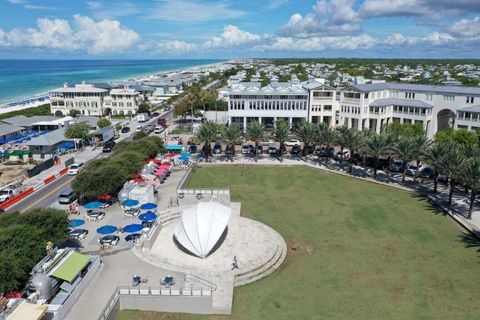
x: 70, y: 267
x: 174, y: 147
x: 28, y: 311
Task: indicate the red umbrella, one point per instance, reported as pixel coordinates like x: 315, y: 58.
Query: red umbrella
x: 104, y: 197
x: 136, y: 175
x: 157, y: 161
x: 138, y: 180
x: 170, y: 155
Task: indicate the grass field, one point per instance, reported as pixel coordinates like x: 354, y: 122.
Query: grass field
x: 363, y: 251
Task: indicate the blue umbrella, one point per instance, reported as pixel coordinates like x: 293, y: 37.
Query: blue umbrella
x: 132, y: 228
x: 76, y: 223
x: 93, y: 205
x: 107, y: 229
x: 182, y: 158
x: 186, y: 154
x: 148, y: 216
x: 130, y: 203
x: 148, y: 206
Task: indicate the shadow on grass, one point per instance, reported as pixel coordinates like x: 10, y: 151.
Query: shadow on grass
x: 430, y: 204
x: 470, y: 240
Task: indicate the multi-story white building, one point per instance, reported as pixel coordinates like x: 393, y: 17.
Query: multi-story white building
x: 93, y: 100
x: 248, y: 102
x: 373, y: 106
x: 323, y: 104
x: 86, y: 98
x: 123, y: 101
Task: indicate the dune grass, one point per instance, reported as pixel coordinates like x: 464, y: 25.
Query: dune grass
x: 361, y: 250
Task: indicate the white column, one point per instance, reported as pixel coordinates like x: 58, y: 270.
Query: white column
x: 290, y: 121
x: 260, y: 119
x: 349, y: 123
x: 378, y: 125
x: 244, y: 124
x: 274, y: 121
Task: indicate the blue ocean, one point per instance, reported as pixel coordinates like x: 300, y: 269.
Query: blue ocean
x: 21, y: 79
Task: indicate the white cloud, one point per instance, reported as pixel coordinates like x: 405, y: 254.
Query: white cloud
x: 27, y: 5
x: 428, y: 9
x: 194, y: 11
x: 313, y: 44
x: 94, y: 37
x: 433, y: 39
x: 329, y: 17
x: 232, y: 36
x: 275, y: 4
x: 112, y: 10
x: 169, y: 47
x: 468, y: 28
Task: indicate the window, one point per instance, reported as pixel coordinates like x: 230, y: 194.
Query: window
x: 322, y: 94
x: 448, y: 98
x: 429, y: 97
x: 351, y: 95
x: 327, y: 108
x: 409, y: 95
x: 470, y: 99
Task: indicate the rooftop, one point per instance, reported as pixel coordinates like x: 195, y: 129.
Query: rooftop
x: 470, y: 109
x: 417, y: 88
x: 6, y: 128
x: 400, y: 102
x: 274, y: 88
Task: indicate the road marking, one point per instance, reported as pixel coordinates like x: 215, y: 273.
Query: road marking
x: 47, y: 195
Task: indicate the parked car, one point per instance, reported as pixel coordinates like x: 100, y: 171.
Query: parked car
x: 150, y: 128
x: 396, y: 166
x: 155, y: 114
x: 267, y: 143
x: 158, y: 130
x: 426, y: 172
x: 323, y: 152
x: 67, y: 196
x: 247, y: 149
x: 272, y: 149
x: 108, y: 146
x: 193, y: 148
x: 162, y: 122
x: 110, y: 240
x: 292, y: 142
x: 167, y: 108
x: 411, y: 169
x: 96, y: 215
x: 6, y: 194
x: 139, y: 128
x: 345, y: 155
x: 125, y: 130
x: 217, y: 148
x: 133, y: 237
x: 259, y: 149
x: 78, y: 234
x: 75, y: 168
x: 296, y: 150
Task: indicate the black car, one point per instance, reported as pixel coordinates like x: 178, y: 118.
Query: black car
x: 296, y: 150
x: 108, y: 146
x: 272, y: 149
x: 217, y: 148
x: 155, y: 114
x: 125, y: 129
x: 193, y: 148
x: 110, y: 240
x: 427, y: 172
x: 259, y: 149
x: 133, y: 237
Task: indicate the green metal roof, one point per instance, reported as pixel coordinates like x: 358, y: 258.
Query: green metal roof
x: 71, y: 266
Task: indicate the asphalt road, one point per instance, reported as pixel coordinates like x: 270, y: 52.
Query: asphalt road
x: 48, y: 195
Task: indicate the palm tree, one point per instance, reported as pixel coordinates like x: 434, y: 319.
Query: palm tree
x: 353, y: 141
x: 305, y: 133
x: 404, y: 148
x: 281, y: 133
x: 451, y: 166
x: 376, y: 145
x: 328, y: 137
x: 256, y: 132
x: 471, y: 177
x: 207, y: 133
x: 434, y: 155
x: 343, y: 135
x: 231, y: 135
x: 421, y: 144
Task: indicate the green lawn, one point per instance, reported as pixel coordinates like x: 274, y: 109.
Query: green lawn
x: 364, y: 251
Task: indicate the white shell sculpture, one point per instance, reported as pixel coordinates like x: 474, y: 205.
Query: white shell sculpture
x: 201, y: 226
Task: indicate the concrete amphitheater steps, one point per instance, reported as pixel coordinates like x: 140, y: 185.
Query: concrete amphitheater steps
x: 264, y: 270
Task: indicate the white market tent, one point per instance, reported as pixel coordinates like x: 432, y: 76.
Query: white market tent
x: 201, y: 226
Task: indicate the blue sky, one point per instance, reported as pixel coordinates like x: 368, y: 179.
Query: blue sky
x: 138, y: 29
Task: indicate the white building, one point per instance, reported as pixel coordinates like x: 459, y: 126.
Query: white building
x: 373, y: 106
x: 323, y: 104
x: 123, y: 101
x: 248, y: 102
x: 94, y: 100
x: 85, y: 97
